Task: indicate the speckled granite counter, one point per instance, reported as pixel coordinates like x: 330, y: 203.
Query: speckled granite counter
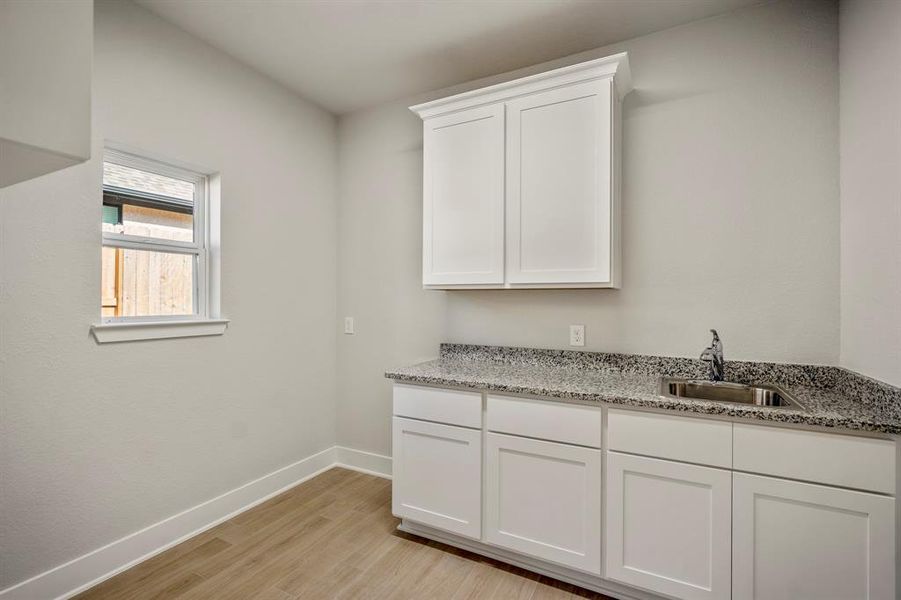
x: 831, y: 396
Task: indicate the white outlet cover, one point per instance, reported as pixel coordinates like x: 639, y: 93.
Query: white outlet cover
x: 349, y: 325
x: 576, y: 335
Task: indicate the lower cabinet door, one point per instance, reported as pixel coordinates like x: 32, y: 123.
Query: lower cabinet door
x: 668, y: 527
x: 800, y: 541
x: 544, y: 499
x: 437, y: 476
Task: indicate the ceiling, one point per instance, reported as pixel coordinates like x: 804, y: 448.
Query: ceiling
x: 349, y: 54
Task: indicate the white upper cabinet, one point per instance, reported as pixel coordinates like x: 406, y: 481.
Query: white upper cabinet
x: 558, y: 186
x: 463, y: 192
x: 521, y: 181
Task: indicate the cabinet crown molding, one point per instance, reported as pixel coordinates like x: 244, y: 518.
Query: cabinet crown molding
x: 614, y: 67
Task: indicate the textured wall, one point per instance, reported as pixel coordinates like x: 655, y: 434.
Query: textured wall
x: 871, y: 187
x: 730, y: 216
x: 97, y: 442
x: 50, y: 104
x: 380, y: 268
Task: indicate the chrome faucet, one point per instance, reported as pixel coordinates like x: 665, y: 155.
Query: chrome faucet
x: 714, y: 355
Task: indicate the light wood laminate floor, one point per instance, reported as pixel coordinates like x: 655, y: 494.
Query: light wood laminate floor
x: 330, y: 537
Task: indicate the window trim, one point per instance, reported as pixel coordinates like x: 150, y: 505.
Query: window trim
x: 202, y: 321
x: 106, y: 333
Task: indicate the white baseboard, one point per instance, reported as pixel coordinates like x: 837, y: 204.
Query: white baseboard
x: 88, y: 570
x: 365, y: 462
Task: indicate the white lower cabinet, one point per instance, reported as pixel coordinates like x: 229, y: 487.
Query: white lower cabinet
x: 668, y: 527
x: 800, y: 541
x: 437, y: 475
x: 544, y: 499
x: 690, y: 524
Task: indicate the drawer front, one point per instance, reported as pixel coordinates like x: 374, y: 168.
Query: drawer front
x: 676, y: 438
x: 568, y: 423
x: 833, y: 459
x: 453, y: 407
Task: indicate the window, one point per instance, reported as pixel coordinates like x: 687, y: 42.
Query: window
x: 155, y: 249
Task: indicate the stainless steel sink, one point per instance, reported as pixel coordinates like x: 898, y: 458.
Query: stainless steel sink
x: 722, y: 391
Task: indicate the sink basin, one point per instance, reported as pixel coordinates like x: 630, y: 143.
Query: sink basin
x: 724, y: 391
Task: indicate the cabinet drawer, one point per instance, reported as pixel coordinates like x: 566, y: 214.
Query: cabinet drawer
x: 453, y: 407
x: 568, y: 423
x: 834, y: 459
x: 666, y: 436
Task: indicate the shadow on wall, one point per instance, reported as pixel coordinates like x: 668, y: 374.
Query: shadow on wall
x: 639, y: 99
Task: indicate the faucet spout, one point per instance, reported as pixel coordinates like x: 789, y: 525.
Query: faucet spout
x: 713, y: 354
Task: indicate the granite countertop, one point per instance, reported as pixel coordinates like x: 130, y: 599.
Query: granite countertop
x: 831, y: 396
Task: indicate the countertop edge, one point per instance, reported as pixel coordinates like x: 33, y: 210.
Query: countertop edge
x: 794, y: 417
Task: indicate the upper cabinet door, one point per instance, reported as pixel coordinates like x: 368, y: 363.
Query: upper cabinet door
x: 463, y: 189
x: 560, y: 195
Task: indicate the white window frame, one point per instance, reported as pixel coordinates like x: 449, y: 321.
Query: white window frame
x: 201, y: 322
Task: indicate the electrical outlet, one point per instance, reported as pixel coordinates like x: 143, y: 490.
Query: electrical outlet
x: 349, y: 325
x: 576, y: 335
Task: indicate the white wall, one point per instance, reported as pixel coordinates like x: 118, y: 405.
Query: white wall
x: 731, y: 219
x: 99, y: 441
x: 730, y: 216
x: 870, y: 55
x: 380, y: 268
x: 45, y: 101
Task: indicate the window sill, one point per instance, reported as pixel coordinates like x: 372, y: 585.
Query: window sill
x: 106, y: 333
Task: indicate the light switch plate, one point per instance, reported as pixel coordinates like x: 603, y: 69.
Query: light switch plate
x: 576, y: 335
x: 349, y: 325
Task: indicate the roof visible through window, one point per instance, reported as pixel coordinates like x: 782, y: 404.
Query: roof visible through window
x: 127, y: 178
